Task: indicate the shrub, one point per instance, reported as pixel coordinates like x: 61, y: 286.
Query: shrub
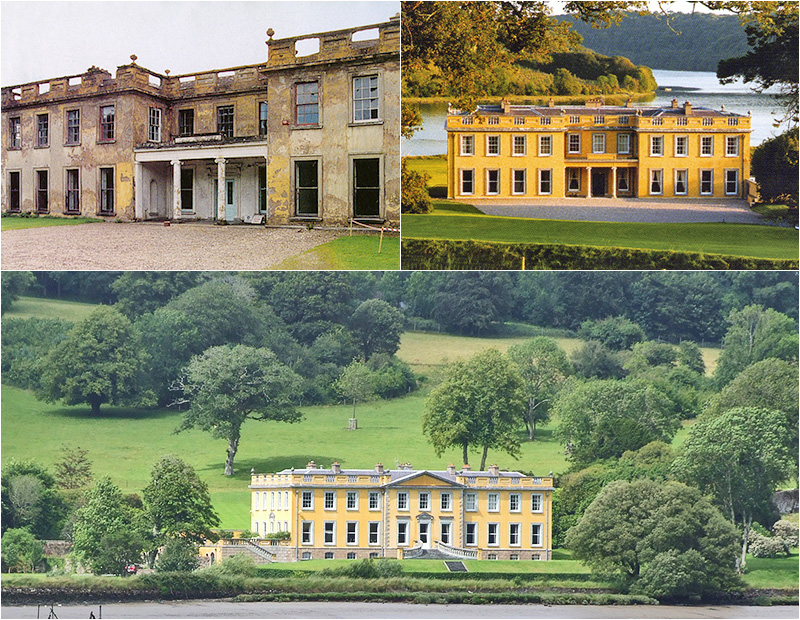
x: 414, y: 193
x: 787, y: 531
x: 366, y: 569
x: 240, y: 565
x: 672, y: 575
x: 21, y: 551
x: 764, y: 546
x: 178, y: 555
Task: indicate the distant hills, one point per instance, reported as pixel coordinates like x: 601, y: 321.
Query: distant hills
x: 699, y: 42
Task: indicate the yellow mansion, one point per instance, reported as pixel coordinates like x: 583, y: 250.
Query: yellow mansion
x: 521, y: 151
x: 402, y: 513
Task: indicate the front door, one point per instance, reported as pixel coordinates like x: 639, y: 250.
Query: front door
x: 230, y: 203
x: 598, y: 182
x: 424, y: 534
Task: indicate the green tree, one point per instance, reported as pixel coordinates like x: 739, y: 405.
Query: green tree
x: 74, y: 470
x: 12, y: 285
x: 140, y: 292
x: 754, y: 334
x: 602, y: 419
x: 775, y: 167
x: 26, y: 344
x: 21, y: 552
x: 414, y: 190
x: 179, y: 555
x: 690, y: 356
x: 99, y: 361
x: 30, y: 500
x: 544, y: 367
x: 664, y: 539
x: 356, y: 383
x: 615, y: 332
x: 738, y: 457
x: 377, y: 326
x: 651, y: 354
x: 478, y: 404
x: 226, y: 385
x: 595, y: 360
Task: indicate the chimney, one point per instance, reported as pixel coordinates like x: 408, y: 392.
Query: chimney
x: 629, y: 103
x: 336, y: 468
x: 451, y: 469
x: 379, y: 468
x: 551, y: 103
x: 466, y: 467
x: 687, y: 108
x: 506, y: 105
x: 311, y: 465
x: 494, y: 470
x: 674, y: 104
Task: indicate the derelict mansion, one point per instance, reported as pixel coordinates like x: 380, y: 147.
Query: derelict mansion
x: 595, y: 150
x: 297, y: 139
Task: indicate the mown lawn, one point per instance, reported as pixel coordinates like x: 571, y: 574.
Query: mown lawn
x: 433, y: 165
x: 28, y: 307
x: 779, y: 573
x: 714, y: 238
x: 356, y: 252
x: 11, y: 222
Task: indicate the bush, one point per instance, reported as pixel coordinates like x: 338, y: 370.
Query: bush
x: 672, y: 575
x: 774, y: 166
x: 414, y: 193
x: 787, y: 531
x: 21, y: 552
x: 366, y: 569
x: 764, y: 546
x: 178, y: 556
x: 615, y: 332
x: 240, y: 565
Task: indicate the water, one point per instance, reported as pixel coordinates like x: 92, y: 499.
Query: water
x: 700, y: 88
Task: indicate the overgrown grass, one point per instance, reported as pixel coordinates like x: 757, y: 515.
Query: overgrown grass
x: 16, y: 222
x: 29, y: 307
x: 357, y: 252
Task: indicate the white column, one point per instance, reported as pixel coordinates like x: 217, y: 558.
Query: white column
x: 220, y: 161
x: 176, y: 188
x: 138, y: 191
x: 588, y: 181
x: 613, y: 181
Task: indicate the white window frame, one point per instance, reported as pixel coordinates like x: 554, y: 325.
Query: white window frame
x: 332, y: 504
x: 622, y: 177
x: 710, y: 140
x: 657, y: 146
x: 492, y: 529
x: 711, y: 181
x: 736, y: 181
x: 310, y: 496
x: 685, y: 152
x: 626, y: 149
x: 514, y: 498
x: 598, y: 143
x: 307, y: 537
x: 471, y: 502
x: 461, y: 172
x: 154, y: 125
x: 537, y: 502
x: 376, y: 99
x: 402, y: 501
x: 493, y: 502
x: 351, y: 530
x: 570, y: 149
x: 376, y: 525
x: 546, y: 145
x: 489, y: 191
x: 352, y: 495
x: 685, y: 181
x: 376, y: 504
x: 574, y: 175
x: 656, y: 174
x: 404, y: 525
x: 731, y: 140
x: 446, y: 501
x: 426, y: 505
x: 446, y: 532
x: 329, y: 531
x: 474, y: 527
x: 514, y: 532
x: 493, y: 152
x: 549, y: 172
x: 537, y: 531
x: 467, y: 145
x: 519, y: 144
x: 515, y: 180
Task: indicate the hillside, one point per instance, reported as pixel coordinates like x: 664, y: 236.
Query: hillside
x: 698, y: 43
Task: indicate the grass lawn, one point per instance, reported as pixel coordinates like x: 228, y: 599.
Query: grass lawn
x: 780, y: 572
x: 356, y: 252
x: 727, y: 239
x: 773, y: 213
x: 28, y: 307
x: 433, y: 165
x: 11, y: 222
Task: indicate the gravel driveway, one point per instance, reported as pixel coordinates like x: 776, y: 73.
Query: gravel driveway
x: 150, y: 245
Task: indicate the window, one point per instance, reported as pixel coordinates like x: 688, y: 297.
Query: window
x: 708, y: 121
x: 185, y: 122
x: 467, y: 120
x: 656, y: 146
x: 374, y: 532
x: 306, y: 555
x: 329, y: 555
x: 351, y: 555
x: 307, y: 500
x: 733, y: 121
x: 519, y: 180
x: 682, y: 121
x: 262, y: 118
x: 536, y: 502
x: 622, y: 180
x: 446, y: 502
x: 492, y: 538
x: 656, y: 181
x: 599, y: 120
x: 352, y: 500
x: 623, y: 143
x: 574, y: 143
x: 681, y: 146
x: 106, y: 190
x: 513, y: 556
x: 42, y: 191
x: 519, y: 120
x: 14, y: 133
x: 329, y: 537
x: 307, y: 103
x: 707, y: 182
x: 272, y: 499
x: 706, y: 146
x: 402, y: 500
x: 262, y: 189
x: 424, y: 501
x: 520, y: 146
x: 374, y: 500
x: 307, y: 533
x: 330, y: 500
x: 365, y: 98
x: 467, y: 182
x: 471, y: 502
x: 731, y: 146
x: 492, y: 145
x: 492, y: 181
x: 42, y: 130
x: 514, y: 502
x: 306, y: 180
x: 681, y: 182
x: 154, y: 131
x: 467, y: 145
x: 731, y: 182
x: 574, y: 119
x: 493, y: 120
x: 574, y: 180
x: 471, y: 534
x: 598, y: 143
x: 536, y: 535
x: 13, y: 192
x: 545, y: 181
x: 107, y: 122
x: 73, y: 197
x: 545, y: 146
x: 187, y: 189
x: 402, y: 533
x: 545, y: 120
x: 225, y: 120
x: 493, y: 502
x: 624, y: 120
x: 73, y: 126
x: 445, y: 532
x: 658, y: 121
x: 352, y: 533
x: 491, y: 556
x: 513, y: 534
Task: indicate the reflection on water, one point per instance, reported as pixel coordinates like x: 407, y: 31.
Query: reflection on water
x: 701, y: 88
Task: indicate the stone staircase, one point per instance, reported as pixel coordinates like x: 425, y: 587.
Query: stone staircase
x: 432, y: 554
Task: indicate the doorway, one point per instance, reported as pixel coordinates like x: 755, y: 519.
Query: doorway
x: 424, y: 534
x: 599, y: 183
x: 230, y: 202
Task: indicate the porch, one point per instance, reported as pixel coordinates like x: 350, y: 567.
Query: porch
x: 600, y: 181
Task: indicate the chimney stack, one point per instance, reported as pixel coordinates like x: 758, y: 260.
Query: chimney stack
x: 311, y: 465
x: 379, y: 468
x: 629, y: 103
x: 674, y: 103
x: 687, y: 108
x: 336, y: 468
x: 466, y: 467
x: 506, y: 105
x: 551, y: 103
x: 451, y: 469
x: 494, y: 470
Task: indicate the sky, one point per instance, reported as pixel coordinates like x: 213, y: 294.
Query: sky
x: 42, y: 40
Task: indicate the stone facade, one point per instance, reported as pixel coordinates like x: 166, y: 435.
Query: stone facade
x: 297, y: 139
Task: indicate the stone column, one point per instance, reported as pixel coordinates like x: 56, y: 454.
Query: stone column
x: 588, y: 181
x: 138, y: 191
x: 220, y: 161
x: 613, y: 181
x: 176, y: 188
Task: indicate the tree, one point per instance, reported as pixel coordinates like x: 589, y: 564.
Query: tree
x: 21, y: 552
x: 12, y: 285
x: 377, y: 326
x: 99, y: 361
x: 30, y: 500
x: 690, y: 356
x: 602, y: 419
x: 754, y: 334
x: 595, y: 360
x: 140, y: 292
x: 179, y: 555
x: 74, y: 470
x: 356, y: 383
x: 414, y: 190
x: 664, y: 539
x: 651, y: 354
x: 616, y: 332
x: 738, y: 457
x: 775, y: 165
x: 478, y: 404
x: 544, y: 367
x: 226, y: 385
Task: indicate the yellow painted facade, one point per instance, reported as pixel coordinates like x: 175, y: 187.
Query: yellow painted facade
x: 523, y: 152
x: 403, y: 513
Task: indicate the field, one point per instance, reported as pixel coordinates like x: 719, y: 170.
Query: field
x: 28, y: 307
x: 17, y: 223
x: 357, y: 252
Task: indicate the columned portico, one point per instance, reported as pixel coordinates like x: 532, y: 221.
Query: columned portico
x: 588, y: 181
x: 220, y: 161
x: 613, y: 181
x: 176, y: 188
x: 138, y: 191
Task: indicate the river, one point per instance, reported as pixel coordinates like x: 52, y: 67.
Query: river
x: 227, y: 609
x: 700, y: 88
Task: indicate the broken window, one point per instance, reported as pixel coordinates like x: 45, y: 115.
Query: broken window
x: 154, y: 132
x: 13, y: 192
x: 42, y: 192
x: 42, y: 130
x: 262, y: 118
x: 307, y: 103
x: 73, y: 191
x: 225, y: 120
x: 15, y: 132
x: 366, y: 187
x: 185, y: 122
x: 106, y: 190
x: 107, y: 122
x: 73, y: 126
x: 365, y: 98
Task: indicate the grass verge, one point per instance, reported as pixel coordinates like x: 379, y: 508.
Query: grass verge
x: 17, y: 222
x: 356, y: 252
